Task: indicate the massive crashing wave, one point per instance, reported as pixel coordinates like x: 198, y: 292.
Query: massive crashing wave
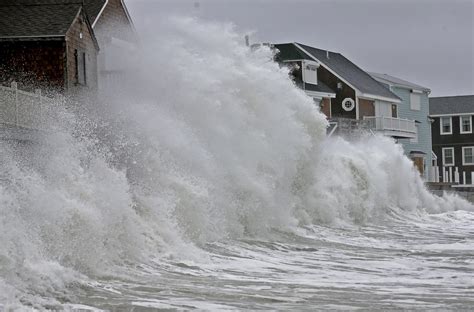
x: 206, y: 141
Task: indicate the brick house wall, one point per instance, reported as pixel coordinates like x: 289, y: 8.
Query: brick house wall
x: 33, y: 64
x: 325, y: 106
x: 366, y: 108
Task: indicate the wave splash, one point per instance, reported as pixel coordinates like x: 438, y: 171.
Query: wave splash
x: 206, y: 141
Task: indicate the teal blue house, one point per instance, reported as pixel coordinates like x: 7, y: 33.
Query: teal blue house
x: 414, y: 106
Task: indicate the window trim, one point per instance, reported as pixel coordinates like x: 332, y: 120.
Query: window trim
x: 464, y: 163
x: 444, y: 156
x: 450, y: 125
x: 460, y: 124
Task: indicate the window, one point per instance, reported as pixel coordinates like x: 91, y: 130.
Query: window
x: 310, y: 72
x: 415, y: 139
x: 394, y: 111
x: 446, y: 125
x: 415, y: 101
x: 80, y: 65
x: 468, y: 155
x: 448, y: 156
x: 465, y: 123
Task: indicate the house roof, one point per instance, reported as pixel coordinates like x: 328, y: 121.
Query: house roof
x: 394, y: 81
x: 320, y: 87
x: 26, y: 19
x: 92, y: 7
x: 452, y: 105
x: 348, y: 71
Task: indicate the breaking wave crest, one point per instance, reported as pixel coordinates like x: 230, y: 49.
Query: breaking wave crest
x: 207, y: 141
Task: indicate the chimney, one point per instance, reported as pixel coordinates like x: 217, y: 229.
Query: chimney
x: 247, y: 41
x: 327, y: 54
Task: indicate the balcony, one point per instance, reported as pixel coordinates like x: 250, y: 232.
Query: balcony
x: 399, y: 128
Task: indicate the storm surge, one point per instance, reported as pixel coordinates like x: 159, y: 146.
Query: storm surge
x: 206, y: 142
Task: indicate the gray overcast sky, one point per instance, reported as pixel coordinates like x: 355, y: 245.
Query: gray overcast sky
x: 428, y: 42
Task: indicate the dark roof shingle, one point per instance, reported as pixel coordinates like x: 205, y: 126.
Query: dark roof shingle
x: 36, y: 20
x: 21, y: 18
x: 448, y: 105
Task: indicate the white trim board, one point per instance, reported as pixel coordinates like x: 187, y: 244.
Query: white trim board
x: 319, y: 94
x: 100, y: 13
x: 451, y: 115
x: 368, y: 96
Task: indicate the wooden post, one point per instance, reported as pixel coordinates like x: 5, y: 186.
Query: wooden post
x: 472, y: 177
x: 464, y: 177
x: 38, y: 93
x: 450, y: 174
x: 14, y: 86
x: 456, y: 175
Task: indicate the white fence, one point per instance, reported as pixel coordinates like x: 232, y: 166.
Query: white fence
x: 24, y: 109
x: 382, y: 123
x: 451, y: 175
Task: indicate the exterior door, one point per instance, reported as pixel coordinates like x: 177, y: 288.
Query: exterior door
x: 419, y: 164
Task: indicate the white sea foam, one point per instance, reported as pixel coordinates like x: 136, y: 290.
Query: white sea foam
x: 207, y: 142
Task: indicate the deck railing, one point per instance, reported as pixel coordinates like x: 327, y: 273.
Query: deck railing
x: 383, y: 123
x: 452, y: 174
x: 23, y: 109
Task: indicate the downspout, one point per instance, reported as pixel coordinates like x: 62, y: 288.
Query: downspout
x: 357, y: 104
x: 66, y: 73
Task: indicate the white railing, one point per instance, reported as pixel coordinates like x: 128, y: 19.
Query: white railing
x: 23, y: 109
x: 451, y: 175
x: 383, y: 123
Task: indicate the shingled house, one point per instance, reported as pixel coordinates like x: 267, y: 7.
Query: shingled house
x: 48, y: 45
x: 63, y: 45
x: 344, y: 91
x: 453, y: 137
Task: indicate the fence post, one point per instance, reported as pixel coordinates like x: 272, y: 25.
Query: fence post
x: 464, y: 177
x: 472, y: 177
x: 450, y: 174
x: 456, y: 175
x: 14, y: 86
x: 40, y: 115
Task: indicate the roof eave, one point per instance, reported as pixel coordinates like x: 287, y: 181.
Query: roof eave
x: 380, y: 97
x: 38, y: 37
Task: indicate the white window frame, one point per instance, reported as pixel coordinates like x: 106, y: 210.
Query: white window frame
x: 310, y: 75
x: 415, y: 95
x: 450, y: 125
x: 464, y: 148
x: 460, y: 124
x: 444, y: 156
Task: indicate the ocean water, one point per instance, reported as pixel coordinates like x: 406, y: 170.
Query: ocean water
x: 206, y: 181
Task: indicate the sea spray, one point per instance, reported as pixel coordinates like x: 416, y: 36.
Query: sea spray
x: 204, y: 142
